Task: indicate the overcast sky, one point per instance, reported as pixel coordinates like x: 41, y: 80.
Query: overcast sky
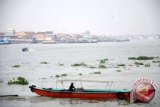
x: 77, y: 16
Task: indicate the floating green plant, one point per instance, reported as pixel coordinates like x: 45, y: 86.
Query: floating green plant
x: 138, y: 63
x: 1, y: 81
x: 121, y: 65
x: 19, y: 80
x: 80, y: 73
x: 16, y: 66
x: 147, y: 65
x: 79, y: 64
x: 44, y: 62
x: 132, y: 58
x: 57, y: 76
x: 141, y: 58
x: 63, y: 75
x: 61, y: 64
x: 103, y: 61
x: 97, y: 72
x: 145, y: 58
x: 92, y: 67
x: 118, y: 70
x: 102, y: 66
x: 155, y: 61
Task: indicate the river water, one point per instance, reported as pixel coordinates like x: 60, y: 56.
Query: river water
x: 60, y: 57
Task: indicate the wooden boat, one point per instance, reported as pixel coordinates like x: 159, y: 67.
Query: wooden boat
x: 83, y: 93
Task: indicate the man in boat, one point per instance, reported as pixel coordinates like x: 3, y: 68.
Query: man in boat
x: 72, y: 88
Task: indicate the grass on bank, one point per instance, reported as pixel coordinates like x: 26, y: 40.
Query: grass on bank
x: 19, y: 81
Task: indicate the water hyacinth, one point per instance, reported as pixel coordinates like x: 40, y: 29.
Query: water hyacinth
x: 16, y: 66
x: 79, y: 64
x: 19, y: 80
x: 103, y: 61
x: 44, y: 62
x: 121, y: 65
x: 102, y: 66
x: 141, y: 58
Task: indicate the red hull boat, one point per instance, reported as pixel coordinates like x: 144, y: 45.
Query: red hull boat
x: 83, y: 93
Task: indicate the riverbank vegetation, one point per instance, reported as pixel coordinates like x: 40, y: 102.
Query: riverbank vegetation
x: 19, y: 81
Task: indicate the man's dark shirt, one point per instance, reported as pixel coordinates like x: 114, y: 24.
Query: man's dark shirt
x: 71, y: 88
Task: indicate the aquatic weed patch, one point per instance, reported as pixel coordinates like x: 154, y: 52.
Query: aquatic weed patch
x: 102, y: 67
x: 103, y: 61
x: 141, y: 58
x: 44, y: 62
x: 16, y: 66
x: 19, y: 80
x: 121, y: 65
x: 79, y: 64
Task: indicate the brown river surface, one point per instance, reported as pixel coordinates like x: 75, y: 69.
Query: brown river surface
x: 60, y: 57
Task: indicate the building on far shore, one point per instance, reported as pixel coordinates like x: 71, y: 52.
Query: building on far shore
x: 39, y: 36
x: 1, y: 34
x: 45, y: 37
x: 21, y: 35
x: 10, y: 33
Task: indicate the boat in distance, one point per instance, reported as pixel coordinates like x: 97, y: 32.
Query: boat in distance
x: 4, y: 41
x: 81, y: 93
